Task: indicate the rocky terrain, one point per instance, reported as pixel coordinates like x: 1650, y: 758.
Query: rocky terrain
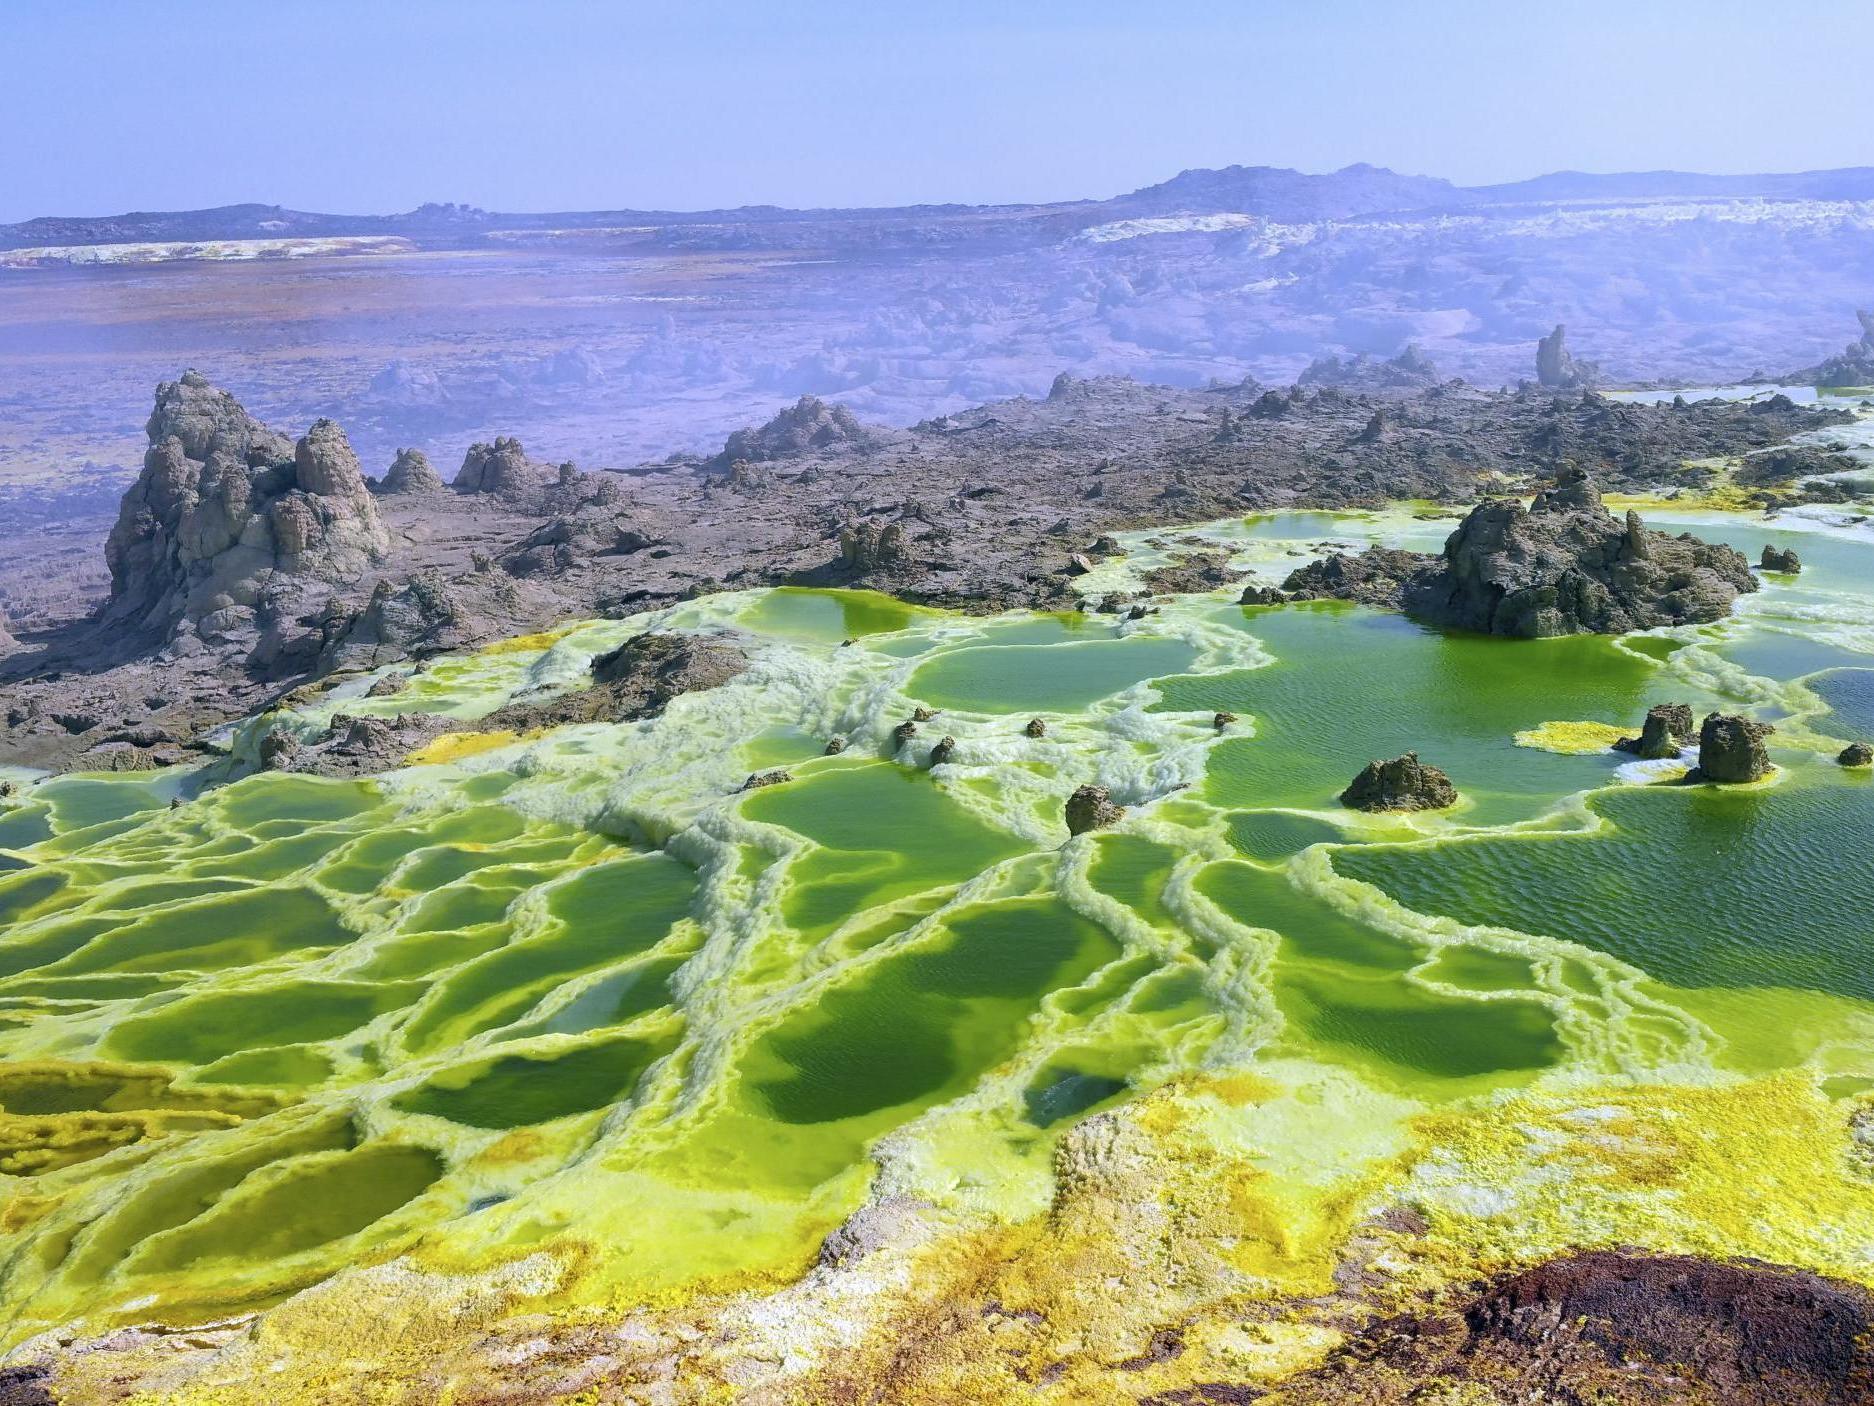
x: 1562, y: 566
x: 243, y: 563
x: 610, y: 336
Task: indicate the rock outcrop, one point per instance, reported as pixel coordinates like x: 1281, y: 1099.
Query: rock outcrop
x: 1615, y: 1328
x: 501, y: 468
x: 866, y: 547
x: 1667, y: 730
x: 411, y: 472
x: 1091, y: 808
x: 1556, y: 367
x: 1562, y: 566
x: 1781, y: 559
x: 808, y: 424
x: 1404, y: 783
x: 1411, y: 369
x: 227, y: 514
x: 1731, y: 750
x: 1856, y: 754
x: 636, y: 680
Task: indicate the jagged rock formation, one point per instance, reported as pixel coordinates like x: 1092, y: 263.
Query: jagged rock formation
x: 1556, y: 367
x: 808, y: 424
x: 226, y: 513
x: 1411, y: 369
x: 1782, y: 560
x: 1856, y: 754
x: 1852, y: 369
x: 1562, y: 566
x: 1668, y: 728
x: 1404, y: 783
x: 1091, y: 808
x: 1376, y: 576
x: 944, y: 751
x: 411, y: 472
x: 1035, y: 727
x: 1731, y: 750
x: 501, y: 468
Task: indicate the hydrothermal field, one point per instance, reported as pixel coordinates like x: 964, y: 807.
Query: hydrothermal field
x: 574, y: 1014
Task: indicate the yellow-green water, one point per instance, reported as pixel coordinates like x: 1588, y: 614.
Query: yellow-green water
x: 577, y: 994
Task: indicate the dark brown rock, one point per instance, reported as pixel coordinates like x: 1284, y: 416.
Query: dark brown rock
x: 1668, y: 727
x: 1731, y: 750
x: 1091, y: 808
x: 1614, y: 1328
x: 1404, y: 783
x: 1035, y: 728
x: 1782, y: 560
x: 1856, y: 754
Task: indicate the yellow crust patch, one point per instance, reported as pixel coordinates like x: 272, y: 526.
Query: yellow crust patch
x: 1573, y: 739
x: 454, y: 746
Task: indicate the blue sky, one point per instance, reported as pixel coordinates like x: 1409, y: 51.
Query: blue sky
x: 112, y: 105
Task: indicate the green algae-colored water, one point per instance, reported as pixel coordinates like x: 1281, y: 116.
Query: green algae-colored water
x: 581, y: 990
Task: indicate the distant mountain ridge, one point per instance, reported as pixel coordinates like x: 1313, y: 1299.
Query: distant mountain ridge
x: 1277, y: 193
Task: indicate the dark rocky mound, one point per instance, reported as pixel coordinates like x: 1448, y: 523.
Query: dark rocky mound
x: 502, y: 469
x: 1611, y: 1328
x: 1730, y: 749
x: 411, y: 472
x: 1667, y: 729
x: 1377, y: 576
x: 807, y: 425
x: 1404, y: 783
x: 354, y: 746
x: 1852, y: 369
x: 636, y: 680
x: 1562, y: 566
x: 1091, y: 808
x: 1200, y: 571
x: 1410, y: 370
x: 1556, y: 367
x: 1856, y: 754
x: 1781, y: 559
x: 227, y: 514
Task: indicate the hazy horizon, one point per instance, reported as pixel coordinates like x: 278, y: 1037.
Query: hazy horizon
x: 361, y: 109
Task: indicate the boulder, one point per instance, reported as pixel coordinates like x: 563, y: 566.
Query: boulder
x: 1668, y: 728
x: 1404, y: 783
x: 1091, y: 808
x: 1731, y: 750
x: 411, y: 472
x: 1035, y: 728
x: 1856, y: 754
x: 944, y: 751
x: 759, y: 779
x: 1780, y: 559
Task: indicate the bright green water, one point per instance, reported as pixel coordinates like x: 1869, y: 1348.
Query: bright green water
x: 580, y: 986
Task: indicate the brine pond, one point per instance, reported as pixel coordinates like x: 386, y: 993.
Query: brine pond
x: 579, y: 994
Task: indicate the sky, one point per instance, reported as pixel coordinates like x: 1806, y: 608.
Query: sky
x: 375, y: 107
